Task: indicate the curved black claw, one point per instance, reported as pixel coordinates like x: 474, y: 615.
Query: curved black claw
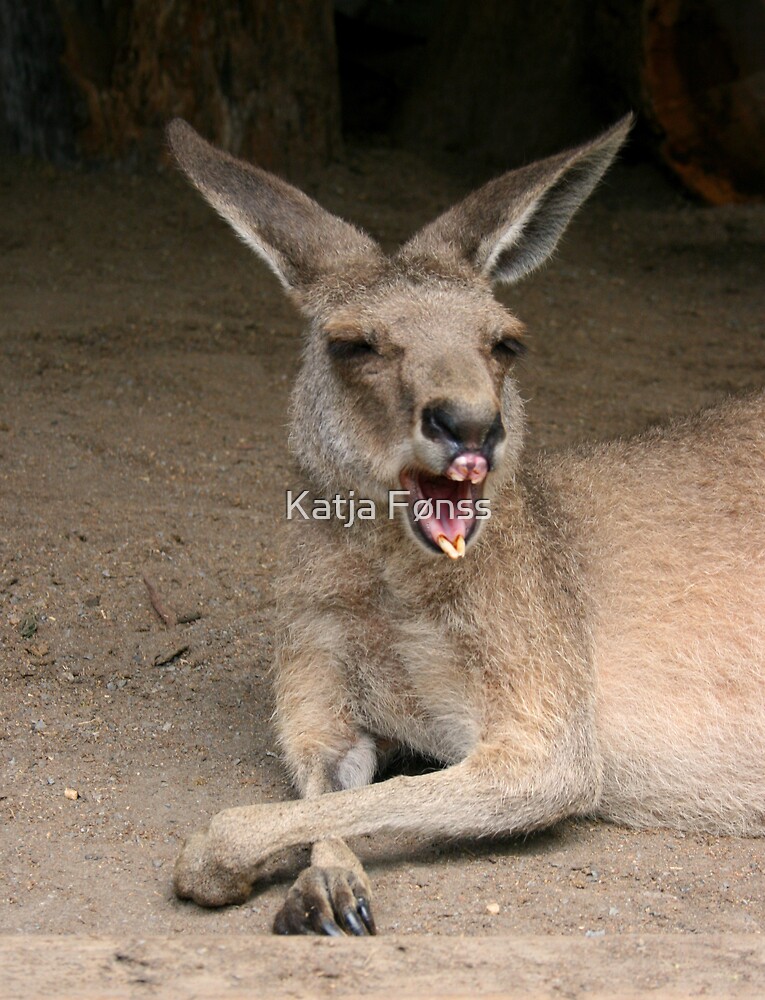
x: 325, y: 925
x: 366, y: 915
x: 328, y: 901
x: 353, y: 923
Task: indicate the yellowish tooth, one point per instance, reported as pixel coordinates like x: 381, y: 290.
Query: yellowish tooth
x: 447, y: 547
x: 460, y: 545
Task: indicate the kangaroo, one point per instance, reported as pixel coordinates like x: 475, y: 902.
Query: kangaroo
x: 595, y: 646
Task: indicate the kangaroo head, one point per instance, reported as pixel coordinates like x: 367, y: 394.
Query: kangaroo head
x: 407, y: 376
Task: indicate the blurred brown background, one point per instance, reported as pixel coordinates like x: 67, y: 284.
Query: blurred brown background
x: 488, y: 83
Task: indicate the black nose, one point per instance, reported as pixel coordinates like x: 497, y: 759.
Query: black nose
x: 463, y: 428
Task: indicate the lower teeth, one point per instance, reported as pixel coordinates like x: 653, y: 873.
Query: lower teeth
x: 455, y: 550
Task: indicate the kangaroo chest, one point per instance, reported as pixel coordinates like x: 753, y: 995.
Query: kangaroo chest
x: 411, y: 682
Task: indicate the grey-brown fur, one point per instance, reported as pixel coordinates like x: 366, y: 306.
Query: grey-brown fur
x: 599, y: 648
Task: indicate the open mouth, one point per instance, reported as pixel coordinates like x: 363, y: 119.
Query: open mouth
x: 442, y: 509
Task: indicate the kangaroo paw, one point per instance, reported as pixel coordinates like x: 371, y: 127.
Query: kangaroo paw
x: 202, y: 875
x: 332, y: 901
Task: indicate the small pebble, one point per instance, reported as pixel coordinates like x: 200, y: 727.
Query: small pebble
x: 492, y: 908
x: 71, y: 793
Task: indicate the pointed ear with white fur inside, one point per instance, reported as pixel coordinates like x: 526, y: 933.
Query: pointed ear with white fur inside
x: 300, y: 241
x: 511, y: 225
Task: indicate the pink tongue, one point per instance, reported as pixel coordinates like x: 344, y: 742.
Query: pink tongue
x: 468, y: 466
x: 446, y: 519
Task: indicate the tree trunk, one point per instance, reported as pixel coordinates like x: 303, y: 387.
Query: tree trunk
x: 696, y: 69
x: 257, y: 77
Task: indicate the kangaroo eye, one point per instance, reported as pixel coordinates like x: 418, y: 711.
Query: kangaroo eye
x: 350, y: 350
x: 508, y: 349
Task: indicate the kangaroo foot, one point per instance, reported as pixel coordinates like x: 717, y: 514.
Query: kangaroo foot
x: 332, y: 901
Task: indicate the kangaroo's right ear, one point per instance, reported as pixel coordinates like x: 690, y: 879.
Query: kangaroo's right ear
x: 511, y: 225
x: 300, y: 241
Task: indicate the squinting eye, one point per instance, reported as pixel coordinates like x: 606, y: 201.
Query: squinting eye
x: 508, y: 349
x: 350, y: 350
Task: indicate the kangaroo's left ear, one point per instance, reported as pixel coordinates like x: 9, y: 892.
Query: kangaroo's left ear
x: 511, y: 225
x: 301, y: 242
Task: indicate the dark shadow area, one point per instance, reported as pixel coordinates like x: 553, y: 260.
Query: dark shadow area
x: 381, y: 50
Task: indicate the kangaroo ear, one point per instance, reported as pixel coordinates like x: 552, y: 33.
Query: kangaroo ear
x: 511, y: 225
x: 300, y: 241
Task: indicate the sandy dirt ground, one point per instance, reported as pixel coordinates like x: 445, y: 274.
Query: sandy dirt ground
x: 145, y: 363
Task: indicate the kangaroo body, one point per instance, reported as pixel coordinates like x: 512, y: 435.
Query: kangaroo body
x: 596, y: 646
x: 671, y: 533
x: 658, y: 574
